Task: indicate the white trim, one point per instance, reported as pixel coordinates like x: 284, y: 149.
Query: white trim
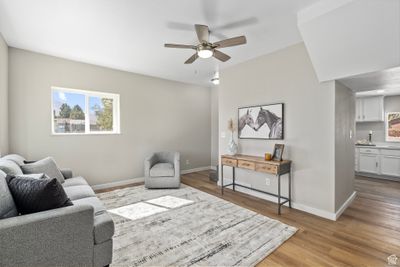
x: 118, y: 183
x: 196, y: 170
x: 345, y: 205
x: 298, y: 206
x: 87, y: 94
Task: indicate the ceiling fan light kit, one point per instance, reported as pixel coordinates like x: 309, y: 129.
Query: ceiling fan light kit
x: 205, y: 49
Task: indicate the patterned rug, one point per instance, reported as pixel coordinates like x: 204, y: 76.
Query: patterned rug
x: 185, y: 227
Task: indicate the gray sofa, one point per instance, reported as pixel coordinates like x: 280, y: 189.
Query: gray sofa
x: 78, y: 235
x: 162, y: 170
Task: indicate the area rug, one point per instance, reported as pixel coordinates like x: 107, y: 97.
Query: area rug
x: 186, y: 227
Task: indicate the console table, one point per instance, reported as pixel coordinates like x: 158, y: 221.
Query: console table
x: 258, y: 164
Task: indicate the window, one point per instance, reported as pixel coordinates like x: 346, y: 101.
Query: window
x: 84, y: 112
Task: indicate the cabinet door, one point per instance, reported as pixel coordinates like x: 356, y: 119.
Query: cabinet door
x: 359, y: 111
x: 390, y: 165
x: 372, y: 108
x: 368, y: 163
x: 356, y: 155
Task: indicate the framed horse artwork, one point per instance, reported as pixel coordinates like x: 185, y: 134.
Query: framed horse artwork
x: 261, y: 122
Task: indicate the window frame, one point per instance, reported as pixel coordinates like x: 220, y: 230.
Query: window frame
x: 87, y: 94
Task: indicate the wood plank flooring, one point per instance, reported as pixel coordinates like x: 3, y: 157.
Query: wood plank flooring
x: 365, y: 235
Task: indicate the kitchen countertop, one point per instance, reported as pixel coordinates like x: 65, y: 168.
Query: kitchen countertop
x: 380, y: 146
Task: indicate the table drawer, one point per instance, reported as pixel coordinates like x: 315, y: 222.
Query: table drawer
x: 229, y: 162
x: 267, y: 168
x: 246, y: 164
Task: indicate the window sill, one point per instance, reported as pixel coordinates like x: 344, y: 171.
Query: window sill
x: 83, y: 134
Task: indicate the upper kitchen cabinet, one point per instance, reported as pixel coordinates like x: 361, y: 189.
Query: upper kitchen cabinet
x: 369, y: 109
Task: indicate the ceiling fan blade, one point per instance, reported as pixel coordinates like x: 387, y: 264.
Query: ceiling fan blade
x: 202, y: 32
x: 231, y: 42
x: 221, y: 56
x: 191, y: 59
x: 180, y: 46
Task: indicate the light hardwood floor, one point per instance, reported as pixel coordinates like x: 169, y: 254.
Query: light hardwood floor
x: 365, y: 235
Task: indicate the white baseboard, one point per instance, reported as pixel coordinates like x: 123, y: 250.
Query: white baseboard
x: 298, y: 206
x: 345, y: 205
x: 118, y: 183
x: 141, y: 179
x: 196, y: 169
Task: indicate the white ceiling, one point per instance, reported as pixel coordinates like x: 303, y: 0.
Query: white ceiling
x: 129, y: 34
x: 385, y: 82
x: 350, y: 37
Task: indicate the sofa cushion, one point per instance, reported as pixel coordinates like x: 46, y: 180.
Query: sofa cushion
x: 7, y: 204
x: 16, y: 158
x: 79, y: 191
x: 10, y: 167
x: 91, y: 201
x: 47, y: 166
x: 103, y: 228
x: 34, y: 195
x: 75, y: 181
x: 162, y: 169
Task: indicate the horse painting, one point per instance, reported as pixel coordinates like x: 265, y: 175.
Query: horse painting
x: 272, y: 120
x: 244, y: 120
x: 264, y: 122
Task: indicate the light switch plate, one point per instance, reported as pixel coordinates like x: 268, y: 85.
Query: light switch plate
x: 223, y: 134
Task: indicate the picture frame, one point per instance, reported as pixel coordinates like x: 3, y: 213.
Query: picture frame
x: 278, y: 152
x: 265, y: 122
x: 392, y: 127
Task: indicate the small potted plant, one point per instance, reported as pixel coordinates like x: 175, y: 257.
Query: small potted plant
x: 232, y: 146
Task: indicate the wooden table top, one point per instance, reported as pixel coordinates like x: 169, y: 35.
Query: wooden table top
x: 256, y: 159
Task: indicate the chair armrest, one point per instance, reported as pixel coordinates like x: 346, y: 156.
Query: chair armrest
x: 67, y: 173
x: 149, y: 162
x: 59, y: 237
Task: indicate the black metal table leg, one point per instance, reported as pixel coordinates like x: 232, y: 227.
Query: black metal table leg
x: 222, y: 179
x: 279, y: 194
x: 234, y: 178
x: 290, y: 188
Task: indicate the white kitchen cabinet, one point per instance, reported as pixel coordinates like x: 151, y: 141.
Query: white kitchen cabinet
x: 359, y: 109
x: 368, y: 163
x: 369, y: 109
x: 390, y: 162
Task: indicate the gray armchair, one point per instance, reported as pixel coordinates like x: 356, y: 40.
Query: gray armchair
x: 162, y: 170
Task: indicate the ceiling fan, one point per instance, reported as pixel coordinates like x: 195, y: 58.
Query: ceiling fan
x: 205, y: 49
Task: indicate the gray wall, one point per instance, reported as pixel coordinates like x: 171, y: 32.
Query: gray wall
x: 287, y: 76
x: 3, y: 96
x: 344, y: 145
x: 391, y: 104
x: 156, y: 115
x: 214, y: 126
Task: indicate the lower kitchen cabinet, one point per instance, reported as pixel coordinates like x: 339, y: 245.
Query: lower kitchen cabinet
x: 390, y: 162
x: 378, y: 161
x: 368, y: 163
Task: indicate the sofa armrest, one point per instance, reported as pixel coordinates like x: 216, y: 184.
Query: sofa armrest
x: 177, y: 164
x: 67, y: 173
x: 149, y: 162
x: 59, y: 237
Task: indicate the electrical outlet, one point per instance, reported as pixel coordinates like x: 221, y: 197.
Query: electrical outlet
x: 187, y: 162
x: 267, y: 181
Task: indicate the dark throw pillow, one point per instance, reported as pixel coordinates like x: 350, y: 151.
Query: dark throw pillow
x: 33, y: 195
